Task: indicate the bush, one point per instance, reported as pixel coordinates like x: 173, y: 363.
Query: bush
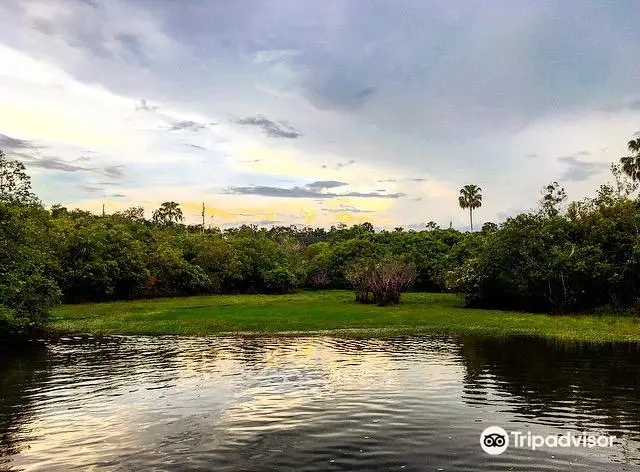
x: 380, y: 282
x: 278, y: 280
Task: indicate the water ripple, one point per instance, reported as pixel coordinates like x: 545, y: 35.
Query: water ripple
x: 312, y: 404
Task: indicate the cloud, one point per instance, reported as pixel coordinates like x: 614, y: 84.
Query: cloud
x: 579, y: 170
x: 411, y: 179
x: 186, y: 125
x: 271, y: 128
x: 319, y: 185
x: 83, y: 158
x: 30, y: 152
x: 55, y: 163
x: 303, y: 192
x: 432, y: 88
x: 11, y: 144
x: 52, y: 163
x: 144, y: 106
x: 347, y: 209
x: 268, y: 222
x: 337, y: 90
x: 115, y: 171
x: 342, y: 165
x: 89, y: 188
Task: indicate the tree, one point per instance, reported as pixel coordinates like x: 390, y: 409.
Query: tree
x: 15, y: 183
x: 133, y: 213
x: 168, y: 213
x: 471, y: 198
x: 432, y: 226
x: 631, y: 164
x: 489, y: 227
x: 58, y: 211
x: 623, y: 185
x: 552, y: 197
x: 27, y: 288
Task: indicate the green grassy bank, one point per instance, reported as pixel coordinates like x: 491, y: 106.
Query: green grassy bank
x: 330, y: 312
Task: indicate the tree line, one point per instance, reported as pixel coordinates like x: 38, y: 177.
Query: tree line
x: 562, y: 257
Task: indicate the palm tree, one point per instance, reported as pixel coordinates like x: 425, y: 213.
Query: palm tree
x: 169, y: 212
x: 471, y: 198
x: 631, y: 164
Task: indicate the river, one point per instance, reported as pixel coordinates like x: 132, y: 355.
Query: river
x: 314, y: 404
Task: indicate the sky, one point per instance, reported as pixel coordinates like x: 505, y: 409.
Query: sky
x: 278, y: 112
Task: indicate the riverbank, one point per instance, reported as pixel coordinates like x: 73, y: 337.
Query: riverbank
x: 331, y: 313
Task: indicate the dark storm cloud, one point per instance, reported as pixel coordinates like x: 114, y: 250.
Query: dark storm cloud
x: 271, y: 128
x: 579, y: 170
x: 429, y: 67
x: 444, y: 66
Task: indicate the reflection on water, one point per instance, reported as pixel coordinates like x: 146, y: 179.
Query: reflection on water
x: 312, y: 404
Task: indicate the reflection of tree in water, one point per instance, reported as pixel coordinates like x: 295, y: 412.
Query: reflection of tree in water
x: 599, y: 384
x: 20, y: 374
x: 29, y: 371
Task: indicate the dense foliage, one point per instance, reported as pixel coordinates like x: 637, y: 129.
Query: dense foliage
x: 27, y: 266
x: 380, y: 281
x: 583, y: 256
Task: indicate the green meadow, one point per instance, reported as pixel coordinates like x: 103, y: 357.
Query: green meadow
x: 330, y: 313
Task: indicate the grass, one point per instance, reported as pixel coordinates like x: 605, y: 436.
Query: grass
x: 333, y: 313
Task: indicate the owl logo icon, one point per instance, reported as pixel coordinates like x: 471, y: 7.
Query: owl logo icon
x: 494, y: 440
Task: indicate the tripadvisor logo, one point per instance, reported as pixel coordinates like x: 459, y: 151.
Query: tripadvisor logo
x: 494, y: 440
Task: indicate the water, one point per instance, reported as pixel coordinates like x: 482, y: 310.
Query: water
x: 313, y: 404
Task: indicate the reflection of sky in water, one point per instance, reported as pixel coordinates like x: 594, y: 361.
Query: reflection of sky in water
x: 219, y: 404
